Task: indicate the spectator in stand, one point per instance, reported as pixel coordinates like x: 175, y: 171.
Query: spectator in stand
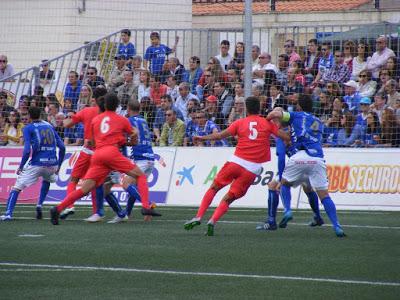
x: 390, y: 136
x: 225, y: 99
x: 263, y: 65
x: 157, y: 53
x: 136, y: 69
x: 183, y: 99
x: 350, y: 131
x: 233, y: 79
x: 323, y: 108
x: 73, y: 88
x: 59, y: 124
x: 366, y: 86
x: 73, y: 136
x: 46, y: 75
x: 255, y: 53
x: 83, y: 71
x: 360, y: 61
x: 238, y: 111
x: 67, y: 108
x: 290, y: 51
x: 216, y: 71
x: 384, y: 77
x: 391, y: 92
x: 331, y: 129
x: 206, y: 89
x: 172, y: 87
x: 257, y: 90
x: 85, y: 97
x: 238, y: 57
x: 148, y: 111
x: 393, y: 67
x: 24, y: 120
x: 212, y: 111
x: 125, y: 47
x: 275, y: 99
x: 361, y: 119
x: 23, y: 105
x: 339, y: 106
x: 372, y: 132
x: 54, y: 109
x: 6, y: 69
x: 311, y: 61
x: 12, y: 134
x: 191, y: 127
x: 325, y: 63
x: 224, y: 57
x: 176, y: 69
x: 206, y: 127
x: 379, y: 58
x: 49, y: 99
x: 292, y: 90
x: 93, y: 79
x: 173, y: 130
x: 283, y: 64
x: 127, y: 91
x: 4, y: 107
x: 349, y: 51
x: 339, y: 72
x: 117, y: 75
x: 379, y: 105
x: 157, y: 89
x: 144, y: 85
x: 296, y: 65
x: 194, y: 73
x: 3, y: 122
x: 166, y: 103
x: 352, y: 97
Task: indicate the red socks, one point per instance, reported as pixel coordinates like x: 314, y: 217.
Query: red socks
x: 70, y: 188
x: 205, y: 203
x: 143, y: 189
x: 70, y: 200
x: 220, y: 211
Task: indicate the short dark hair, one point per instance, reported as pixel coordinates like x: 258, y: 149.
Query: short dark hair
x: 305, y: 102
x: 328, y: 44
x: 252, y: 105
x: 313, y: 41
x: 284, y: 56
x: 225, y: 43
x: 99, y: 91
x: 126, y: 31
x: 34, y: 112
x: 167, y: 97
x: 195, y: 59
x: 134, y: 105
x: 93, y: 68
x: 75, y: 73
x: 111, y: 101
x: 3, y: 94
x: 155, y: 34
x: 100, y: 103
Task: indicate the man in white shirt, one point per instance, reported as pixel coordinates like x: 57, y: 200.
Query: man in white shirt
x: 264, y: 63
x: 224, y: 58
x: 380, y: 57
x: 183, y: 99
x: 6, y: 70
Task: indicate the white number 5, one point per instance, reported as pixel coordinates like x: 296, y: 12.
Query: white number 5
x: 253, y: 131
x: 104, y: 126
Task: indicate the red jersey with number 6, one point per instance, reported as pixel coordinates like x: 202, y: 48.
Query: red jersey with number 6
x: 253, y: 134
x: 110, y: 129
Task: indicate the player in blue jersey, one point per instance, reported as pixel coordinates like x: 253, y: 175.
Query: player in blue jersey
x: 307, y: 165
x: 157, y: 53
x: 274, y: 186
x: 44, y: 140
x: 143, y: 156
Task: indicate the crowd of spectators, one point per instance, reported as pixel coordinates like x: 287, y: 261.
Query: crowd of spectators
x: 354, y: 91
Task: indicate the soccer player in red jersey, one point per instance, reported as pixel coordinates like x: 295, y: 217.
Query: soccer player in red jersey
x: 80, y: 167
x: 110, y: 132
x: 252, y: 149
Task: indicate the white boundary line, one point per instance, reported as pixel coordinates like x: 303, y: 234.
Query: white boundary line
x: 209, y: 274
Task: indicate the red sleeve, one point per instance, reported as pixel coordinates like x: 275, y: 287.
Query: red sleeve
x: 127, y: 126
x: 233, y: 128
x: 273, y: 128
x: 78, y: 117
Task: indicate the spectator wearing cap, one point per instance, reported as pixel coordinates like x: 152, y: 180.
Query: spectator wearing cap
x: 183, y: 98
x: 290, y: 51
x: 73, y: 88
x: 125, y: 47
x: 173, y: 130
x: 380, y: 57
x: 211, y: 108
x: 224, y: 57
x: 361, y: 119
x: 46, y: 75
x: 4, y: 107
x: 93, y: 79
x: 264, y: 64
x: 117, y: 75
x: 352, y: 97
x: 6, y: 69
x: 157, y: 53
x: 194, y: 73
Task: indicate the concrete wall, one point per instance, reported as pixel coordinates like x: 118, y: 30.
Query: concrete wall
x: 32, y: 30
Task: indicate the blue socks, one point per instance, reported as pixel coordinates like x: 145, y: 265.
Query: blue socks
x: 12, y: 200
x: 133, y: 196
x: 129, y: 205
x: 314, y: 204
x: 100, y: 200
x: 43, y: 192
x: 330, y: 210
x: 273, y: 201
x: 113, y: 202
x: 286, y: 197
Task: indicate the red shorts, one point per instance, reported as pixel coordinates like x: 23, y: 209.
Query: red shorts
x: 81, y: 165
x: 240, y: 177
x: 104, y: 161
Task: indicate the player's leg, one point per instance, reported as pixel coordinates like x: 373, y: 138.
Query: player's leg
x: 286, y: 196
x: 273, y: 201
x: 314, y: 204
x: 112, y: 201
x: 97, y: 195
x: 147, y: 168
x: 49, y: 176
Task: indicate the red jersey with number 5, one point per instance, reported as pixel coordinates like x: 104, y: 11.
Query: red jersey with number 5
x: 109, y: 129
x: 253, y: 134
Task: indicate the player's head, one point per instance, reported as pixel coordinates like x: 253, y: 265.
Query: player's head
x: 133, y: 107
x: 111, y: 101
x: 252, y: 105
x: 34, y: 113
x: 304, y: 104
x: 99, y: 91
x: 100, y: 104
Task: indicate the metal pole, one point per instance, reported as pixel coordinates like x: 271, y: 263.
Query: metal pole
x: 248, y: 41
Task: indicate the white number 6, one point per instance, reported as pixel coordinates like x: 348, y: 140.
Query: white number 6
x: 104, y: 126
x: 253, y: 131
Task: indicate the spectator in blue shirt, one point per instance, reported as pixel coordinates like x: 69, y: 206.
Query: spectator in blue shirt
x: 325, y: 63
x: 352, y: 97
x: 206, y: 127
x: 126, y: 47
x: 73, y: 88
x: 74, y: 136
x: 372, y: 132
x: 193, y: 74
x: 350, y: 132
x: 361, y: 120
x: 157, y: 53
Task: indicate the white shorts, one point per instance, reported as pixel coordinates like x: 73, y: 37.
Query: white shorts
x: 304, y: 169
x: 31, y: 174
x: 146, y: 166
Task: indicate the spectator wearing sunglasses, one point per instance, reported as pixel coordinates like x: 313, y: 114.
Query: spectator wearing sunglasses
x: 6, y: 69
x: 93, y: 79
x: 380, y: 57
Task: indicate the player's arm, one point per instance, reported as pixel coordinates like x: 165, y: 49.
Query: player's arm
x: 27, y: 149
x: 69, y: 121
x: 213, y: 136
x: 175, y: 45
x: 133, y: 137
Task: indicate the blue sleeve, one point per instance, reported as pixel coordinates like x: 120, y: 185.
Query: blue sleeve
x: 168, y: 50
x: 147, y: 55
x: 61, y: 147
x: 27, y: 147
x: 131, y: 50
x: 124, y: 151
x: 281, y: 153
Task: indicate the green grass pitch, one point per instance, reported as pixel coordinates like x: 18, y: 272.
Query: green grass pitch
x: 161, y: 260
